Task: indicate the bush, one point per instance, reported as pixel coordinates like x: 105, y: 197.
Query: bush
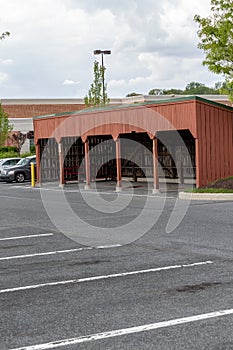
x: 33, y: 149
x: 8, y: 155
x: 27, y: 154
x: 8, y: 149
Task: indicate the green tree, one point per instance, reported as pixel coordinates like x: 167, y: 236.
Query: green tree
x: 5, y: 126
x: 173, y: 92
x: 131, y: 94
x: 159, y: 92
x: 216, y: 39
x: 156, y: 92
x: 4, y: 35
x: 196, y: 88
x: 193, y: 88
x: 226, y: 88
x: 97, y: 94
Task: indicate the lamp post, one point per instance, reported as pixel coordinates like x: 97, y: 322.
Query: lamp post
x: 102, y: 53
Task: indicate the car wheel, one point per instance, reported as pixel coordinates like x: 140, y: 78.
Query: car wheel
x: 20, y: 177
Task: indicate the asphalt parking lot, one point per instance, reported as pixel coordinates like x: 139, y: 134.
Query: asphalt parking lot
x: 168, y: 288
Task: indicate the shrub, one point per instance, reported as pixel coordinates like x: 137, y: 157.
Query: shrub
x: 8, y: 149
x: 8, y: 154
x: 33, y: 149
x: 27, y: 154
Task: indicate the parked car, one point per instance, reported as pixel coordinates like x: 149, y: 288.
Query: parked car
x: 19, y: 172
x: 8, y: 162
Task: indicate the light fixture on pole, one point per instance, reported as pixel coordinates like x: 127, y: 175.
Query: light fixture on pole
x: 102, y: 53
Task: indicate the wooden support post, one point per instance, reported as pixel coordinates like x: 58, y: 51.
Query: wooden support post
x: 38, y: 158
x: 118, y: 165
x: 61, y: 164
x: 155, y: 166
x: 179, y: 164
x: 87, y: 165
x: 197, y: 160
x: 181, y: 173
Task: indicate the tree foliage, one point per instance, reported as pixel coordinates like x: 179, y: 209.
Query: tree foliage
x: 216, y: 39
x: 193, y: 88
x: 5, y: 126
x: 18, y: 139
x: 97, y: 94
x: 131, y: 94
x: 196, y: 88
x: 4, y: 35
x: 159, y: 92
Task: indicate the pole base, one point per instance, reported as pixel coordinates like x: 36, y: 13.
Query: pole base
x: 118, y: 189
x: 87, y: 187
x: 155, y: 191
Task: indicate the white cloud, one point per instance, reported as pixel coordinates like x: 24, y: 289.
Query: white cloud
x: 116, y: 83
x: 3, y: 77
x: 7, y: 61
x: 70, y: 82
x: 153, y: 43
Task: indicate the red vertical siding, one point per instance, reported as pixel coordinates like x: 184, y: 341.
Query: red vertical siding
x: 208, y: 146
x: 230, y: 141
x: 215, y: 128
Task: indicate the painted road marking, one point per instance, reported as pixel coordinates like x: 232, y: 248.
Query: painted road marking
x: 98, y: 278
x: 163, y: 194
x: 127, y: 331
x: 20, y: 198
x: 27, y: 236
x: 58, y: 252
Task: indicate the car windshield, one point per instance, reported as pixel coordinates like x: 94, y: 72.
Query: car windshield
x: 4, y: 162
x: 23, y: 161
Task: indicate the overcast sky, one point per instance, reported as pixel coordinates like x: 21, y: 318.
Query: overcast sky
x: 50, y: 50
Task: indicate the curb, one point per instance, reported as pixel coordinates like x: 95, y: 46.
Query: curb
x: 206, y: 196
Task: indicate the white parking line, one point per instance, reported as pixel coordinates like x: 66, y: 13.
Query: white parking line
x: 27, y: 236
x: 69, y: 190
x: 58, y: 252
x: 98, y: 278
x: 127, y: 331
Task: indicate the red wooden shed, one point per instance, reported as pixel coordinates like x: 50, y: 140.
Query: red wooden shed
x: 187, y: 137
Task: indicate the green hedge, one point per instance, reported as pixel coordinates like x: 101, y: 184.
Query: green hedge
x: 8, y: 155
x: 27, y: 154
x: 8, y: 149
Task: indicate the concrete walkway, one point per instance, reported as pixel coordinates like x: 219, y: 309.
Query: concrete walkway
x: 206, y: 196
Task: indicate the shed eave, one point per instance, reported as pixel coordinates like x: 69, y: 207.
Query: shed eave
x: 137, y: 105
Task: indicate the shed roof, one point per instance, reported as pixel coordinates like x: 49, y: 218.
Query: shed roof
x: 139, y: 104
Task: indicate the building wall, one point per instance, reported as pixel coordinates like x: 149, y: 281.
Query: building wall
x: 21, y: 112
x: 32, y: 110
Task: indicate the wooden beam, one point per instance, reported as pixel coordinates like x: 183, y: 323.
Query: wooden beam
x: 155, y: 166
x: 87, y: 165
x: 118, y: 165
x: 61, y: 164
x: 38, y: 174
